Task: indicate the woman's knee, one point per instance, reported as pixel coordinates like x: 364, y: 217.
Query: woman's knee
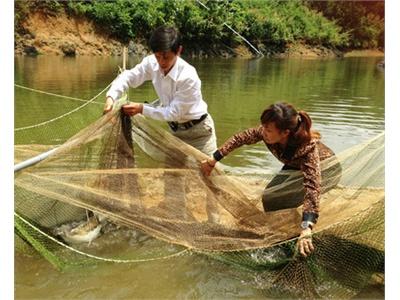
x: 276, y: 201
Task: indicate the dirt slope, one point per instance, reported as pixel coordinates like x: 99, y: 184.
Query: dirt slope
x: 62, y: 35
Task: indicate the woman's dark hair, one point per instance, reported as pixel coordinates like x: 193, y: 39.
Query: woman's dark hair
x: 285, y: 116
x: 165, y: 38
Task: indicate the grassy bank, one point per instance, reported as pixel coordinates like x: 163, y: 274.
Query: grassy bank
x: 271, y: 26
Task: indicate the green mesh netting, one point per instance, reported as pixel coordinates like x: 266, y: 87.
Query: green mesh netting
x: 142, y: 178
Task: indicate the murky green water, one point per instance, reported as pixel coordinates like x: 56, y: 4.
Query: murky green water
x: 345, y: 98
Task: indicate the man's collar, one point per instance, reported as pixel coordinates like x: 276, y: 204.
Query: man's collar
x: 173, y: 73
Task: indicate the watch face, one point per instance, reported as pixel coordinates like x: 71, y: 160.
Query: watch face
x: 304, y: 225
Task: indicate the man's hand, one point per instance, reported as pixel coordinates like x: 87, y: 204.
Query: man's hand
x: 132, y: 108
x: 108, y: 105
x: 207, y: 166
x: 304, y: 244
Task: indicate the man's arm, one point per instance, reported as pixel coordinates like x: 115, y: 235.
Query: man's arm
x: 132, y: 108
x: 129, y: 78
x: 187, y: 98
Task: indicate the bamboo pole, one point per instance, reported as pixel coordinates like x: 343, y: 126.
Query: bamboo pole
x: 124, y: 57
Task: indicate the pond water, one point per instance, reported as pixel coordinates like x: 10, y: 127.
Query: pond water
x: 344, y: 97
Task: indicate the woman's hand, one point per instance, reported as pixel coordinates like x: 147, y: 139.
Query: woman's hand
x: 207, y: 166
x: 132, y: 108
x: 304, y: 243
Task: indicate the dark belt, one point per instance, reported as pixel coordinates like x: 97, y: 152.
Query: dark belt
x: 175, y: 126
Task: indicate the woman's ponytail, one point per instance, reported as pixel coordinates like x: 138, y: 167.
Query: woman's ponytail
x: 285, y: 116
x: 303, y: 132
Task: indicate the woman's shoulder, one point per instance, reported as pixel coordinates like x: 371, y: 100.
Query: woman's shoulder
x: 307, y: 148
x: 315, y: 144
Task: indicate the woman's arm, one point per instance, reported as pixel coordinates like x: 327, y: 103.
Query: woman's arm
x: 310, y: 167
x: 247, y: 137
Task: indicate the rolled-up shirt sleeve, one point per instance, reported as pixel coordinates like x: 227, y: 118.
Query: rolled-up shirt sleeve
x: 130, y: 78
x: 312, y: 184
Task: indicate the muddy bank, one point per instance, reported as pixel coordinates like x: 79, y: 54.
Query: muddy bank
x: 42, y: 34
x: 64, y: 35
x: 362, y: 53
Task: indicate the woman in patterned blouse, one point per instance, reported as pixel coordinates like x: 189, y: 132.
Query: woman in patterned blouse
x: 287, y: 134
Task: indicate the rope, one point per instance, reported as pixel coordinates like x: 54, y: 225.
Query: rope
x: 94, y: 256
x: 64, y: 115
x: 244, y: 39
x: 51, y: 94
x: 234, y: 31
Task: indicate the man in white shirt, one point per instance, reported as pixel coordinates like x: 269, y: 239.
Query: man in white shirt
x: 178, y: 87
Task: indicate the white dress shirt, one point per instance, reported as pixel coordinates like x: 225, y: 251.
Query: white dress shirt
x: 179, y: 91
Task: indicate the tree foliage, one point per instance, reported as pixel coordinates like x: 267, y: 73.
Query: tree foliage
x: 267, y: 24
x: 362, y: 20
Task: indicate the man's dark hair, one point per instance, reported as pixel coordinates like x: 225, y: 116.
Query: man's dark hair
x: 165, y: 38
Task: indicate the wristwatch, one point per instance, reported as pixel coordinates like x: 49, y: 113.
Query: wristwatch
x: 307, y: 224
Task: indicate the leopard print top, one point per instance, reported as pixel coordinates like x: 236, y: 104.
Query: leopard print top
x: 306, y: 158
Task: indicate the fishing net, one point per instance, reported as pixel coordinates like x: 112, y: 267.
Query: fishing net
x: 139, y: 176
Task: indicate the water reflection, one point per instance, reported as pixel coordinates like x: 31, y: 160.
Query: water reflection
x: 345, y: 98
